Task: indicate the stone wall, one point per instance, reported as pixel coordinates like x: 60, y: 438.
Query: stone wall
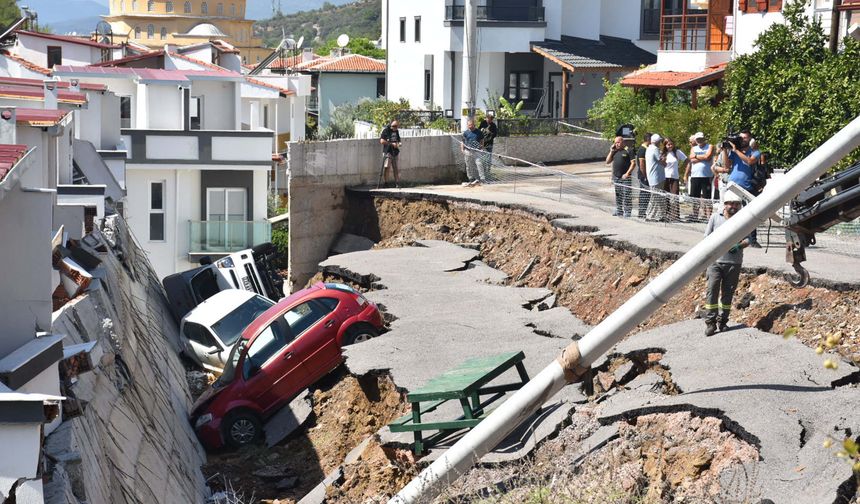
x: 133, y: 442
x: 318, y: 174
x: 552, y: 148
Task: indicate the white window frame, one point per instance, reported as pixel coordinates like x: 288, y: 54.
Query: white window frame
x: 160, y: 211
x: 227, y: 191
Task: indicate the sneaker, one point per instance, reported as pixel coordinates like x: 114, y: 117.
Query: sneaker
x: 466, y: 184
x: 710, y: 328
x: 755, y: 244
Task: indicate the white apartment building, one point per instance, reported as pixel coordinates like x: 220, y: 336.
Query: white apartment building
x: 551, y: 54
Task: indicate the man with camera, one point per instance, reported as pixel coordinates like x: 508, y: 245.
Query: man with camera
x: 623, y: 163
x: 740, y: 161
x: 390, y: 140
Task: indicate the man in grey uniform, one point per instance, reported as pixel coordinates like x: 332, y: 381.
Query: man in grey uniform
x: 723, y: 275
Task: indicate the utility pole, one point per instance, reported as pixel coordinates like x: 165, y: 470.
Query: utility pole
x: 835, y: 19
x: 470, y: 59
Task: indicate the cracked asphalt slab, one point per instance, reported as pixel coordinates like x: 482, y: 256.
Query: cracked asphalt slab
x: 771, y: 392
x: 449, y: 308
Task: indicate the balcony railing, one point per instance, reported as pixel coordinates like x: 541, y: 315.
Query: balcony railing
x: 528, y: 13
x: 314, y: 102
x: 691, y: 32
x: 220, y: 237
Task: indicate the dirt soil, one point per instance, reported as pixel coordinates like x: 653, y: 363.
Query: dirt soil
x: 592, y: 276
x: 346, y: 410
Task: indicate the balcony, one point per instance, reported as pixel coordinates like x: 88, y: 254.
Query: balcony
x: 226, y: 237
x: 489, y: 15
x: 694, y: 32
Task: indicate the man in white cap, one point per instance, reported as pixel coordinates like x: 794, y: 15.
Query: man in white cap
x: 654, y: 168
x: 699, y: 174
x: 723, y: 275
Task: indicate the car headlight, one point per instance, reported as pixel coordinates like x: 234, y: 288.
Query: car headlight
x: 203, y: 420
x: 227, y: 262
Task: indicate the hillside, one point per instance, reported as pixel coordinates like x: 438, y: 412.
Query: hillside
x: 357, y: 19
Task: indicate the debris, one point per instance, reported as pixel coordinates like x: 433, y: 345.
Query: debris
x: 270, y: 473
x: 288, y: 419
x: 527, y: 269
x: 623, y: 371
x: 635, y: 280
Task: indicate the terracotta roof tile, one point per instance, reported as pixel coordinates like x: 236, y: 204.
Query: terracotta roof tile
x: 33, y: 93
x: 69, y: 38
x: 260, y: 82
x: 290, y: 62
x: 350, y: 63
x: 204, y: 64
x: 648, y: 78
x: 129, y: 59
x: 85, y: 86
x: 40, y: 117
x: 29, y: 65
x: 9, y: 155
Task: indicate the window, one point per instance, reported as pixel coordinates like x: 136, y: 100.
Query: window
x: 751, y: 6
x: 650, y: 19
x: 156, y: 211
x: 55, y: 56
x: 122, y: 5
x: 168, y: 6
x: 198, y: 334
x: 219, y: 10
x: 304, y: 316
x: 417, y: 28
x: 195, y: 112
x: 134, y: 5
x: 150, y: 6
x: 428, y: 85
x: 231, y: 326
x: 519, y: 86
x: 204, y: 8
x: 265, y: 116
x: 125, y: 111
x: 187, y: 8
x: 380, y: 87
x: 163, y: 33
x: 266, y: 345
x: 226, y: 211
x: 403, y: 29
x: 329, y: 303
x: 233, y: 10
x: 150, y: 31
x: 137, y: 32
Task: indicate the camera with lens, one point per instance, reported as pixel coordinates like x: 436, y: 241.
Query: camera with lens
x: 734, y: 138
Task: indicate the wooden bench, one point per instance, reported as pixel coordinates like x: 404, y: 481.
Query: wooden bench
x: 465, y: 383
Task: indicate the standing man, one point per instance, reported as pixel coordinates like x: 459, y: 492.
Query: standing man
x: 655, y: 169
x: 742, y: 161
x: 723, y: 275
x: 699, y: 175
x: 490, y: 131
x: 471, y: 148
x: 623, y: 165
x: 390, y: 140
x: 642, y: 175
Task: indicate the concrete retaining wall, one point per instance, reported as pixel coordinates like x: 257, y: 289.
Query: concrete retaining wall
x: 551, y: 148
x: 318, y: 174
x: 133, y: 442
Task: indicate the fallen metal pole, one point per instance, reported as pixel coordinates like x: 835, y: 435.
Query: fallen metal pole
x: 579, y: 355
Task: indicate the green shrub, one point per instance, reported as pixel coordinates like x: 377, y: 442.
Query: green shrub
x: 281, y: 241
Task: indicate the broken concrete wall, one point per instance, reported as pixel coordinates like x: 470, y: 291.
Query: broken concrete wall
x: 133, y: 442
x: 319, y: 172
x: 552, y: 148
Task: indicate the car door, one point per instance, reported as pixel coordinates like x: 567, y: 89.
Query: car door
x: 203, y: 345
x: 328, y: 354
x: 313, y: 329
x: 268, y: 361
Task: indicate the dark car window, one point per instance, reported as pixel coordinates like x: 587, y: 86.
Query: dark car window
x: 328, y: 303
x: 199, y: 334
x: 231, y: 326
x: 204, y: 285
x: 302, y: 316
x: 268, y: 343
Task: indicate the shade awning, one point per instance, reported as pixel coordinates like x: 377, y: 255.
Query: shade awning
x: 606, y: 54
x: 652, y: 79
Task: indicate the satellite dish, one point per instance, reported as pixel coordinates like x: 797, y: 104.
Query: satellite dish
x: 342, y: 40
x: 300, y: 42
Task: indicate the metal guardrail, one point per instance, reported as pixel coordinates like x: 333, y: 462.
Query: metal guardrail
x: 227, y: 236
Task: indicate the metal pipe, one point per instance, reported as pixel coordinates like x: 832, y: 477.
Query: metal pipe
x: 579, y: 355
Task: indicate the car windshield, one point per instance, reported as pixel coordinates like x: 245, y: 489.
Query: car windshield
x: 230, y: 366
x: 231, y: 326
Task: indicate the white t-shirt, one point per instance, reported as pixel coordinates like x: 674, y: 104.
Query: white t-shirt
x: 701, y: 168
x: 672, y: 162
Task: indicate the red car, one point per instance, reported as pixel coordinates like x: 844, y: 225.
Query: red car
x: 287, y: 348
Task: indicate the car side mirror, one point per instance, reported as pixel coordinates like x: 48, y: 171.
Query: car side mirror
x: 214, y: 351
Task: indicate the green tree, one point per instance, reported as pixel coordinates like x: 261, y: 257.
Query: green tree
x: 357, y: 45
x: 9, y: 13
x: 792, y: 92
x: 619, y: 105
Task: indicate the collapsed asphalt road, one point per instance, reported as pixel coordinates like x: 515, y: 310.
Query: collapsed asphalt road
x: 771, y: 393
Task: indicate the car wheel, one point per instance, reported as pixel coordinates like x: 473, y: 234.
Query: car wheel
x: 242, y: 428
x: 359, y: 334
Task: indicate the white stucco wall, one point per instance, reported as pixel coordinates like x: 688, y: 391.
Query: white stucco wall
x: 750, y: 26
x: 581, y: 18
x: 218, y: 99
x: 165, y: 109
x: 10, y: 68
x: 35, y: 49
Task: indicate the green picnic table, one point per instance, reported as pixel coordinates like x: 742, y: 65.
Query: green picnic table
x: 465, y: 383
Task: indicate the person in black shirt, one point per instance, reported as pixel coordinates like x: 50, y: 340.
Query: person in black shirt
x: 642, y: 173
x: 390, y: 140
x: 623, y: 165
x: 490, y: 131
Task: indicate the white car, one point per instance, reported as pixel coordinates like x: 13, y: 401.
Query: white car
x: 208, y: 332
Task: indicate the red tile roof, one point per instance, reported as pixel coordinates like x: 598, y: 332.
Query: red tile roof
x: 150, y: 74
x: 32, y: 93
x: 40, y: 117
x: 85, y: 86
x: 68, y: 38
x: 129, y: 59
x: 204, y: 64
x: 29, y: 65
x: 646, y: 78
x: 9, y: 155
x: 350, y: 63
x: 289, y: 62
